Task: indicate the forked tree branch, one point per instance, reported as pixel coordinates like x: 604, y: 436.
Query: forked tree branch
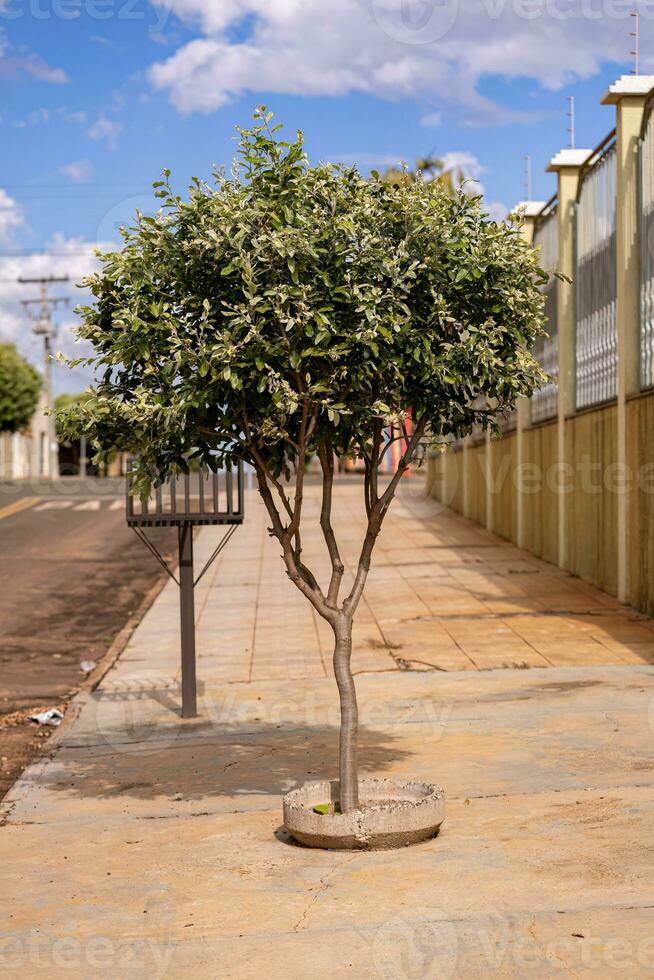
x: 297, y: 572
x: 375, y: 521
x: 326, y: 456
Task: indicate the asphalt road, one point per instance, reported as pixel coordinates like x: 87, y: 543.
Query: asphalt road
x: 71, y: 574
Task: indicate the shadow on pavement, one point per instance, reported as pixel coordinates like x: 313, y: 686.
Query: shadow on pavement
x: 202, y: 761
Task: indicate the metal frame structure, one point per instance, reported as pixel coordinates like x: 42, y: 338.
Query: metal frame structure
x: 192, y: 500
x: 596, y: 278
x: 544, y: 403
x: 646, y: 235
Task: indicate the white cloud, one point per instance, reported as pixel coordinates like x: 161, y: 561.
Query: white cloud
x: 27, y: 63
x: 33, y: 66
x: 105, y: 129
x: 466, y: 163
x: 79, y: 171
x: 77, y: 117
x: 36, y: 118
x: 432, y: 119
x: 11, y: 217
x: 497, y: 210
x: 63, y: 256
x: 438, y: 52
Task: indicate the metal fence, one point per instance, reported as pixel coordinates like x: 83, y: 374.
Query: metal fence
x: 647, y: 249
x: 596, y: 278
x: 200, y: 497
x: 544, y: 404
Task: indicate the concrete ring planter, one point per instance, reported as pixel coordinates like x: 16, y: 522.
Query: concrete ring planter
x: 392, y: 813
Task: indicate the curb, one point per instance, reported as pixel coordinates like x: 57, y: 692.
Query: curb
x: 79, y: 695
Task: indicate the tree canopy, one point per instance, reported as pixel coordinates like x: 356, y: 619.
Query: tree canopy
x: 66, y: 400
x: 281, y: 293
x: 20, y: 385
x: 284, y: 310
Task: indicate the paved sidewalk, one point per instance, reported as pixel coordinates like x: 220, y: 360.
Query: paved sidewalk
x: 442, y: 593
x: 148, y: 846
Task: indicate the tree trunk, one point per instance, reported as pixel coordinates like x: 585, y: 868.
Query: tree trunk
x: 347, y: 761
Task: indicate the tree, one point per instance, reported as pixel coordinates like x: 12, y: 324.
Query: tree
x: 429, y: 168
x: 289, y: 309
x: 20, y: 386
x: 65, y: 401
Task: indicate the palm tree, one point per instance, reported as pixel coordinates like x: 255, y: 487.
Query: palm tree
x: 427, y: 168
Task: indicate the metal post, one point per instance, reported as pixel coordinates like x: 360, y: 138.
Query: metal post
x: 184, y: 511
x: 187, y: 617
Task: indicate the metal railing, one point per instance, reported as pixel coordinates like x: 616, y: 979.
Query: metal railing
x: 544, y: 403
x: 646, y: 217
x: 200, y: 497
x: 595, y: 215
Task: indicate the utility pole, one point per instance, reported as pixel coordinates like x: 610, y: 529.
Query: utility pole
x: 635, y: 34
x: 572, y: 124
x: 44, y: 327
x: 528, y: 187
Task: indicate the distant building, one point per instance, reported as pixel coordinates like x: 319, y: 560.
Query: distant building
x: 24, y: 455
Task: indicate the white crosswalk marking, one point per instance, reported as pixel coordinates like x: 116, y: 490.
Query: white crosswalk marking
x: 83, y: 505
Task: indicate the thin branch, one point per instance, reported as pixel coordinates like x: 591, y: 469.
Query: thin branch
x: 296, y: 573
x: 275, y: 482
x: 367, y: 485
x: 377, y: 440
x: 294, y: 526
x: 326, y: 456
x: 375, y: 521
x: 404, y: 462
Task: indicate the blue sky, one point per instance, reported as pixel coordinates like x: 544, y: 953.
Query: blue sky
x: 99, y: 95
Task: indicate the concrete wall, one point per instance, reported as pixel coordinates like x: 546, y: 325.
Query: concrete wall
x: 541, y: 525
x: 24, y: 455
x: 640, y: 449
x: 592, y: 510
x: 502, y: 485
x: 579, y: 490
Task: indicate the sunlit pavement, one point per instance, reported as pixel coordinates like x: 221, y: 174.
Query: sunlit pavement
x: 148, y: 847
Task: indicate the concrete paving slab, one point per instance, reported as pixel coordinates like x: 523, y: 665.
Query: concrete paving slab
x: 150, y: 846
x: 548, y: 834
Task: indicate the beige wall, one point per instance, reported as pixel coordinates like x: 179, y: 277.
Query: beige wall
x: 540, y: 499
x: 579, y: 491
x: 592, y: 511
x: 640, y: 451
x: 502, y: 490
x: 476, y: 463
